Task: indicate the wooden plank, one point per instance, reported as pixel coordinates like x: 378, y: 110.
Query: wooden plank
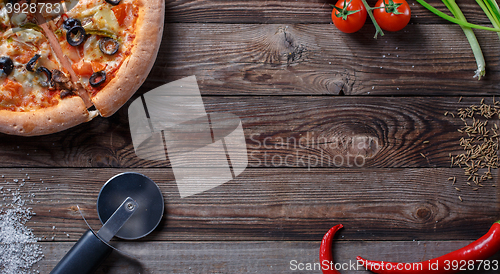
x: 291, y: 131
x: 276, y: 204
x: 313, y: 59
x: 301, y: 11
x: 254, y: 257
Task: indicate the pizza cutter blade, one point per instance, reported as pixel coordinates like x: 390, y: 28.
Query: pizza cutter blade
x: 130, y: 206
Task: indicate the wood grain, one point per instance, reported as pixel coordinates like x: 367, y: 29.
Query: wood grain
x: 302, y: 11
x: 253, y: 257
x: 283, y: 69
x: 283, y: 131
x: 315, y: 59
x: 276, y: 204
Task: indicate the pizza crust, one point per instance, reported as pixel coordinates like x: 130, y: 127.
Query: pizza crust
x: 136, y: 67
x: 69, y: 112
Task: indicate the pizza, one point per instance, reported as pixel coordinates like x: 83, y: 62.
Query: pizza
x: 64, y: 63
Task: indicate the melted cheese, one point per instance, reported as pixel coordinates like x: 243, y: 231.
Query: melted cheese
x: 92, y: 52
x: 30, y: 36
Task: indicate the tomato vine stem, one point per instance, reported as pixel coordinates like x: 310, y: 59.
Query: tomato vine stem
x: 378, y: 30
x: 343, y: 12
x: 391, y: 7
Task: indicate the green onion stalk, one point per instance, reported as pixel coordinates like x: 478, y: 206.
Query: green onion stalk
x: 490, y: 8
x: 471, y: 37
x: 492, y: 11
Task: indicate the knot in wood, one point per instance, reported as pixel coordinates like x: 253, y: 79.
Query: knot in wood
x: 424, y: 213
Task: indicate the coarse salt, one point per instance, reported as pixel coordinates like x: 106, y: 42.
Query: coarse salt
x: 19, y: 250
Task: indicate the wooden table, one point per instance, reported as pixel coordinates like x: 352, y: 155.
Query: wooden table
x: 289, y: 74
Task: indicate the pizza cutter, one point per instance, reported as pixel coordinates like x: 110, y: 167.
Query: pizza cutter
x: 130, y: 206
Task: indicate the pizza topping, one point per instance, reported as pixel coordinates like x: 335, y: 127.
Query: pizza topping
x: 93, y: 53
x: 30, y: 66
x: 100, y: 33
x: 97, y: 66
x: 108, y: 45
x: 74, y: 54
x: 32, y: 26
x: 82, y: 68
x: 10, y: 93
x: 6, y: 65
x: 60, y: 80
x: 31, y: 34
x: 48, y: 75
x: 97, y: 78
x: 63, y: 83
x: 75, y: 36
x: 105, y: 19
x: 107, y: 41
x: 4, y: 18
x: 70, y: 23
x: 18, y: 18
x: 121, y: 12
x: 113, y: 2
x: 65, y: 93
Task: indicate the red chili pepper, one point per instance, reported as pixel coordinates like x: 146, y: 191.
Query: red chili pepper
x: 474, y: 253
x: 325, y: 251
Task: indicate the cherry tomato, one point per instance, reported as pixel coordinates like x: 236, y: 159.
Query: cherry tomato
x: 392, y: 15
x: 350, y: 18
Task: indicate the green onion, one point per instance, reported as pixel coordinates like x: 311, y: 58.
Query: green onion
x: 452, y: 19
x: 492, y: 11
x: 471, y: 37
x: 490, y: 8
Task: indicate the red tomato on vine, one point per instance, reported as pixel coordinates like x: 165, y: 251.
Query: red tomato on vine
x: 392, y: 15
x: 349, y: 16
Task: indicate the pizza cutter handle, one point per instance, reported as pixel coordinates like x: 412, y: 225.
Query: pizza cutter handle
x: 84, y: 257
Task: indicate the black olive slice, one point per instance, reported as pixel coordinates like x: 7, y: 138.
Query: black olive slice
x: 6, y: 65
x: 75, y: 36
x: 108, y: 45
x: 48, y: 75
x: 30, y: 66
x: 97, y: 78
x: 70, y: 23
x: 113, y: 2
